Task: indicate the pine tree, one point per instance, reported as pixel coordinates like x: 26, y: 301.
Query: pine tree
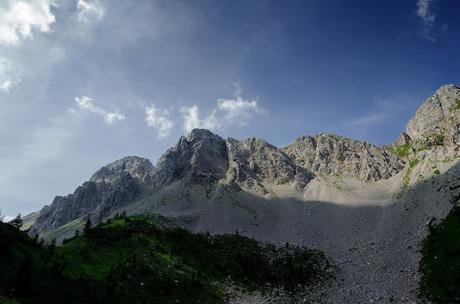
x: 17, y: 222
x: 87, y: 224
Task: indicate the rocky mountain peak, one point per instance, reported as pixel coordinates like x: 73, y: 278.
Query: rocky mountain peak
x: 438, y: 108
x: 200, y: 135
x: 434, y: 130
x: 199, y: 155
x: 137, y: 167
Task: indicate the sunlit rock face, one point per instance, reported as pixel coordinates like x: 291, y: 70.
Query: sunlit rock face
x: 332, y: 154
x: 437, y: 122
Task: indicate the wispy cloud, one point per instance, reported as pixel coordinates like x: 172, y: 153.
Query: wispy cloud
x: 238, y: 110
x: 19, y: 19
x: 86, y: 104
x: 7, y: 79
x: 382, y: 111
x: 370, y: 119
x: 158, y: 119
x: 228, y: 112
x: 424, y: 11
x: 191, y: 119
x: 427, y: 16
x: 90, y: 10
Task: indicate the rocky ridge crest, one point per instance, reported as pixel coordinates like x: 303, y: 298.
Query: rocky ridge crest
x: 330, y: 154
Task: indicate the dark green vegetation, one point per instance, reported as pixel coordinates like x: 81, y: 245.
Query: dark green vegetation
x: 457, y: 104
x: 131, y: 260
x: 440, y: 265
x: 402, y: 150
x: 439, y: 139
x: 406, y: 177
x: 413, y: 163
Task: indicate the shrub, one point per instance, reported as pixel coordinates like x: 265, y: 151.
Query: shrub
x: 439, y: 140
x: 407, y: 174
x: 413, y: 163
x: 402, y: 150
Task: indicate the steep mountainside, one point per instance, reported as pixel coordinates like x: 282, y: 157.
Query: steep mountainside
x: 110, y: 188
x: 435, y: 127
x: 367, y: 207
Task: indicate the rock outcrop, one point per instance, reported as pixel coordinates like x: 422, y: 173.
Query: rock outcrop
x: 137, y: 167
x: 110, y: 188
x: 332, y: 154
x: 201, y: 155
x: 254, y: 162
x: 436, y: 111
x: 436, y: 123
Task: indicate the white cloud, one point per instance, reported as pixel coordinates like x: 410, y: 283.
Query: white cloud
x: 20, y: 18
x: 427, y: 16
x: 192, y: 120
x: 157, y: 119
x: 89, y: 10
x: 86, y: 104
x: 233, y: 111
x: 238, y: 110
x: 7, y: 79
x: 5, y: 86
x: 425, y: 12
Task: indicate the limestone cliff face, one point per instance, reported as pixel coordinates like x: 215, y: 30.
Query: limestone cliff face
x: 111, y: 187
x: 438, y: 110
x: 137, y: 167
x: 434, y: 131
x: 254, y: 162
x: 332, y: 154
x: 201, y: 155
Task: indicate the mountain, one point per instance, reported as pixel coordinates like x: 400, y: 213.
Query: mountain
x: 204, y: 158
x: 367, y: 207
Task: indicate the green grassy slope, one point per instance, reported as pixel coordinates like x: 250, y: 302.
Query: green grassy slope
x: 130, y: 260
x: 440, y: 265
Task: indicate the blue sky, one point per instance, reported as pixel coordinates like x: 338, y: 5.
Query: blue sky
x: 85, y: 82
